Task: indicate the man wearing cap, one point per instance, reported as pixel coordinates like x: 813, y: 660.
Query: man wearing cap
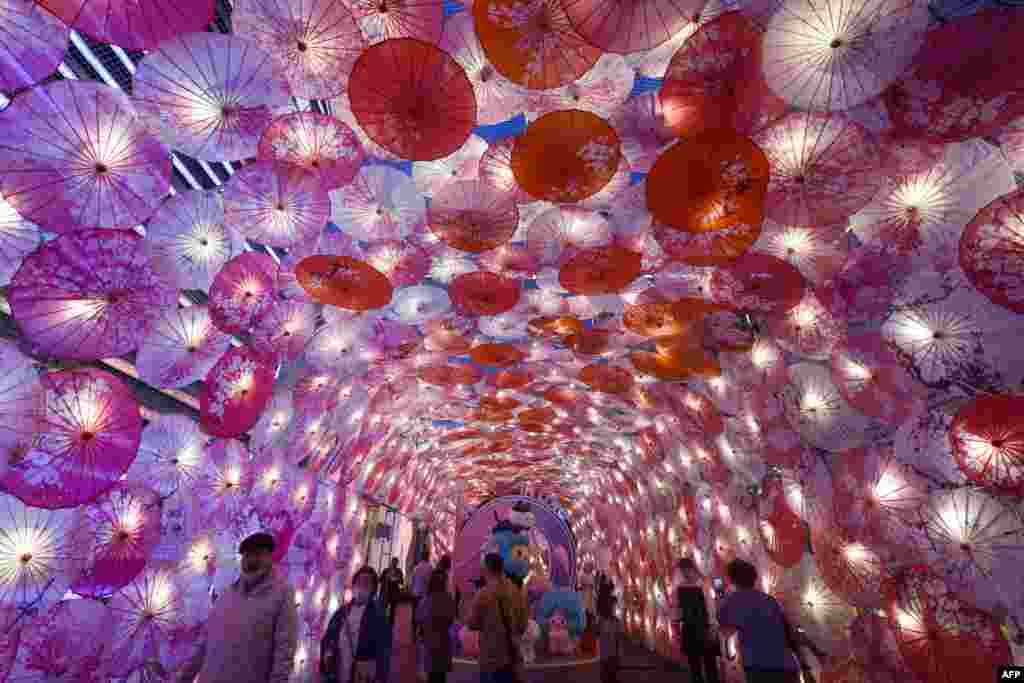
x: 251, y: 634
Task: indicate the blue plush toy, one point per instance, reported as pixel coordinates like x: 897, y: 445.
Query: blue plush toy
x: 561, y: 613
x: 513, y: 546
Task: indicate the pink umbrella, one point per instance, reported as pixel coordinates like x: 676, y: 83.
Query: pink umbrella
x: 602, y: 90
x: 71, y: 640
x: 643, y: 130
x: 133, y: 26
x: 413, y: 99
x: 243, y: 291
x: 823, y: 169
x: 421, y: 19
x: 115, y: 536
x: 758, y: 283
x: 463, y: 164
x: 381, y: 203
x: 869, y: 375
x: 313, y: 45
x: 625, y: 27
x: 35, y: 546
x: 284, y: 329
x: 271, y: 431
x: 318, y: 142
x: 89, y: 436
x: 340, y: 346
x: 236, y: 391
x: 402, y: 261
x: 276, y: 203
x: 283, y: 495
x: 181, y: 347
x: 561, y: 231
x: 34, y: 43
x: 1011, y: 141
x: 496, y: 170
x: 21, y: 404
x: 818, y: 252
x: 469, y: 216
x: 77, y: 156
x: 209, y: 95
x: 225, y: 479
x: 89, y: 295
x: 189, y: 229
x: 992, y: 250
x: 808, y: 329
x: 170, y: 455
x: 18, y: 239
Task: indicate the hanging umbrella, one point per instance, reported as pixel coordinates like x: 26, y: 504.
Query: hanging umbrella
x: 471, y: 217
x: 482, y: 293
x: 463, y: 164
x: 284, y: 330
x: 53, y: 643
x: 18, y: 239
x: 189, y: 229
x: 758, y: 283
x: 626, y: 27
x: 808, y: 329
x: 209, y: 95
x: 381, y: 203
x: 495, y: 171
x: 824, y: 614
x: 114, y: 536
x: 1011, y: 141
x: 36, y: 554
x: 601, y: 90
x: 276, y: 203
x: 869, y: 375
x: 991, y: 250
x: 817, y: 410
x: 420, y: 304
x: 242, y: 291
x: 420, y: 19
x: 272, y: 428
x: 340, y: 346
x: 133, y: 26
x: 21, y: 404
x: 329, y: 242
x: 413, y: 99
x: 532, y: 44
x: 313, y: 45
x: 181, y: 347
x: 34, y: 43
x: 817, y: 251
x: 170, y: 455
x: 76, y: 155
x: 344, y: 282
x: 88, y: 437
x: 224, y: 481
x: 402, y: 262
x: 566, y: 156
x: 317, y: 142
x: 834, y: 56
x: 643, y: 129
x: 496, y: 96
x: 987, y: 444
x: 235, y: 392
x: 603, y: 270
x: 89, y: 295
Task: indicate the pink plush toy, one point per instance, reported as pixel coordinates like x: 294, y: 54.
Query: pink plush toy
x: 559, y: 640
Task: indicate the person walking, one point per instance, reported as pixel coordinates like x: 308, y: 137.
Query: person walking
x: 768, y: 643
x: 699, y: 642
x: 391, y: 585
x: 500, y: 614
x: 421, y: 576
x: 252, y: 631
x: 610, y: 634
x: 435, y: 615
x: 356, y: 646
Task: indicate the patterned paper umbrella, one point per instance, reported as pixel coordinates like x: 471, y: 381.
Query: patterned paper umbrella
x: 89, y: 435
x: 236, y: 391
x: 21, y: 404
x: 209, y: 95
x: 992, y: 251
x: 602, y: 90
x: 133, y: 26
x: 988, y: 444
x: 625, y: 27
x: 421, y: 19
x: 77, y: 156
x: 495, y: 171
x: 18, y: 239
x: 34, y: 43
x: 818, y: 252
x: 276, y: 203
x: 35, y: 553
x: 283, y: 331
x: 316, y: 141
x: 224, y: 481
x: 470, y: 216
x: 115, y: 535
x: 496, y: 96
x: 381, y: 203
x: 758, y: 283
x: 402, y: 262
x: 313, y: 44
x: 90, y: 294
x: 483, y: 293
x: 808, y: 329
x: 421, y: 303
x: 823, y: 169
x: 242, y: 291
x: 170, y: 455
x: 329, y: 242
x: 643, y: 129
x: 461, y: 165
x: 412, y: 98
x: 566, y: 156
x: 190, y: 231
x: 869, y: 375
x: 181, y: 347
x: 603, y: 270
x: 344, y: 282
x: 532, y: 42
x: 71, y: 639
x: 835, y: 56
x: 339, y: 347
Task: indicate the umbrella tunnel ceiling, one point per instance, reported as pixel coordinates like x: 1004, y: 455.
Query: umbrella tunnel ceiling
x: 730, y: 279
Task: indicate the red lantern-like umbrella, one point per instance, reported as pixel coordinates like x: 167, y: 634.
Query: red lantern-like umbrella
x: 988, y: 443
x: 236, y: 391
x: 412, y: 98
x: 992, y: 251
x: 482, y: 293
x: 472, y: 217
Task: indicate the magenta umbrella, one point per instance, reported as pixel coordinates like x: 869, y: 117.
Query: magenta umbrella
x: 89, y: 295
x: 316, y: 141
x: 36, y: 552
x: 21, y: 405
x: 236, y: 391
x: 210, y: 95
x: 34, y: 42
x: 89, y: 436
x: 243, y: 291
x: 285, y: 329
x: 115, y: 536
x: 76, y: 155
x: 276, y: 203
x: 170, y: 455
x: 181, y: 347
x: 18, y: 239
x: 133, y: 25
x: 224, y: 481
x: 70, y: 641
x: 10, y: 637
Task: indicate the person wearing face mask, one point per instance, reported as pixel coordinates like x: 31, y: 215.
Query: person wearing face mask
x: 356, y: 647
x: 252, y: 631
x: 699, y: 641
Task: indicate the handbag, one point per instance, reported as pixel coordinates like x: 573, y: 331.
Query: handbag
x: 517, y: 667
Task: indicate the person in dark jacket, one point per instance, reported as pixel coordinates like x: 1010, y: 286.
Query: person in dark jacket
x: 356, y: 647
x: 699, y: 642
x: 435, y: 614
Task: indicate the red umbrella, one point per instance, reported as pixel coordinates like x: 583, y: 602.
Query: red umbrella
x: 483, y: 293
x: 89, y: 435
x: 412, y: 98
x: 317, y: 141
x: 236, y: 391
x: 988, y: 443
x: 344, y: 282
x: 758, y: 283
x: 992, y: 251
x: 242, y: 291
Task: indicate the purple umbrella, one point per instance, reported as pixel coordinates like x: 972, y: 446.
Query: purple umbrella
x: 21, y: 404
x: 243, y: 291
x: 90, y: 295
x: 32, y: 43
x: 285, y: 329
x: 181, y: 347
x: 70, y: 641
x: 90, y: 433
x: 225, y: 479
x: 276, y: 203
x: 170, y: 455
x: 36, y: 553
x: 133, y: 25
x: 76, y: 155
x: 18, y: 239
